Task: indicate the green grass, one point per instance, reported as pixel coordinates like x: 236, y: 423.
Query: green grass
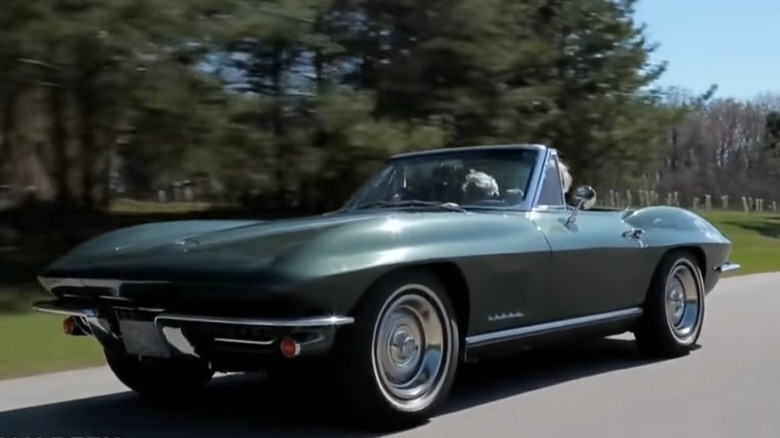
x: 756, y: 239
x: 130, y: 206
x: 32, y: 343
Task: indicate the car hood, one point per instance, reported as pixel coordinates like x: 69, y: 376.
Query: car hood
x: 195, y: 248
x: 283, y: 251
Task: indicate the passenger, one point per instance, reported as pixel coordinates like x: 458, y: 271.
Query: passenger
x: 479, y: 186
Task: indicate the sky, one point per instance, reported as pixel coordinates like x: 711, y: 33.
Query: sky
x: 732, y: 43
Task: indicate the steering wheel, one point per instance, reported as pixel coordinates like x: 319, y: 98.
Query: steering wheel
x: 407, y: 194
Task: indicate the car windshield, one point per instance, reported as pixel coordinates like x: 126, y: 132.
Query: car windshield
x: 455, y: 180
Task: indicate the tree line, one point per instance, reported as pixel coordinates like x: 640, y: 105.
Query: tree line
x: 292, y: 103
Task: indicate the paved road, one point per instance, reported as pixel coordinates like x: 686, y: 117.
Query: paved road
x: 724, y: 389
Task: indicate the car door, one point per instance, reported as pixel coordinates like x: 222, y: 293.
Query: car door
x: 595, y: 262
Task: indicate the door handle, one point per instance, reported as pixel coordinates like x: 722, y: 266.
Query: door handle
x: 634, y: 233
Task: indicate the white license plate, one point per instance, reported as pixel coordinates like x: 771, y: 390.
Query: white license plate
x: 143, y: 338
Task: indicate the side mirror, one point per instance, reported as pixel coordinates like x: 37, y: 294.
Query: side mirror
x: 585, y: 196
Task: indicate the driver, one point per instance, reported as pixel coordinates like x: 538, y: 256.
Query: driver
x: 479, y: 186
x: 566, y: 179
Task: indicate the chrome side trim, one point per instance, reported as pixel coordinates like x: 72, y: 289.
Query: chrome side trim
x: 317, y: 321
x: 727, y: 267
x: 504, y: 316
x: 516, y: 333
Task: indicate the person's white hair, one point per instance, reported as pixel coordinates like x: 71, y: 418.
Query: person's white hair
x: 566, y: 179
x: 481, y: 180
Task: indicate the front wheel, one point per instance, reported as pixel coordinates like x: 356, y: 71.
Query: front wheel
x: 398, y: 362
x: 674, y: 308
x: 158, y: 380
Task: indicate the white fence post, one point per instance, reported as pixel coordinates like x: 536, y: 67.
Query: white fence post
x: 648, y: 198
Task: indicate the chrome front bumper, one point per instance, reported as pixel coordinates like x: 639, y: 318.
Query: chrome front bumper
x: 311, y: 335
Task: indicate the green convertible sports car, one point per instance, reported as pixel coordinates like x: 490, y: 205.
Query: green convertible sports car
x: 444, y: 256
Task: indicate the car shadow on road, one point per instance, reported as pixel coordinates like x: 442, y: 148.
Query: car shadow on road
x: 244, y: 406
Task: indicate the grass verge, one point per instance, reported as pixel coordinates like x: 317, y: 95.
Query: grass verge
x: 32, y: 343
x: 755, y: 238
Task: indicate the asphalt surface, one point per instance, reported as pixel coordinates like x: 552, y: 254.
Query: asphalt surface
x: 603, y: 389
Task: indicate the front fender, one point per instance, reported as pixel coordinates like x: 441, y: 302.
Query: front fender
x: 406, y: 239
x: 673, y: 225
x: 494, y: 252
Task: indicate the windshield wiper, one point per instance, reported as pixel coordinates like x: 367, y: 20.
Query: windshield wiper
x: 413, y: 203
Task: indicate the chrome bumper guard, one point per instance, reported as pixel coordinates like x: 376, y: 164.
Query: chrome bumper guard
x: 310, y: 335
x: 727, y: 267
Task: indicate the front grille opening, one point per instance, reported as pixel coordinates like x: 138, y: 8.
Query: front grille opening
x: 215, y: 339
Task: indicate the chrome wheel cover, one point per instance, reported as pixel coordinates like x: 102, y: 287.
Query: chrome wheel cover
x: 411, y: 347
x: 683, y: 300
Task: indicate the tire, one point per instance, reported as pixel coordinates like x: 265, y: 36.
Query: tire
x: 159, y: 380
x: 391, y: 311
x: 670, y: 327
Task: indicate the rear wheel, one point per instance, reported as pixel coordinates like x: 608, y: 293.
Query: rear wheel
x: 397, y: 363
x: 163, y: 379
x: 674, y: 308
